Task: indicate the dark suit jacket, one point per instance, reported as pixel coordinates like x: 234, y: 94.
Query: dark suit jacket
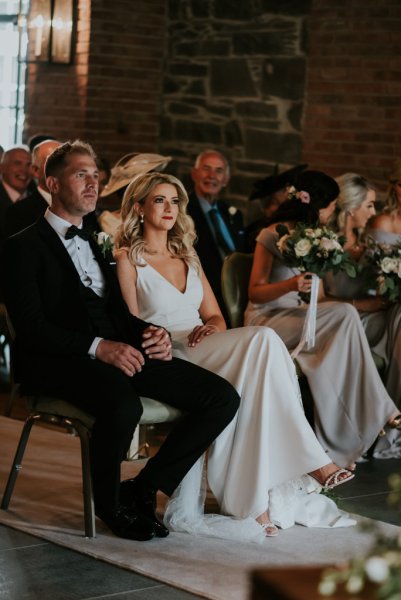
x: 44, y: 297
x: 206, y: 246
x: 5, y: 203
x: 25, y: 212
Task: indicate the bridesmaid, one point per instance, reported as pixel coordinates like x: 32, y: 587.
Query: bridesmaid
x: 386, y: 227
x: 271, y: 442
x: 381, y: 319
x: 350, y: 402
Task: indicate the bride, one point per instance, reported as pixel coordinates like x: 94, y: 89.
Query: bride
x: 257, y: 467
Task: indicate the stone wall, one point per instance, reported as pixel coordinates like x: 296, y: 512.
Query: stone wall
x: 234, y: 79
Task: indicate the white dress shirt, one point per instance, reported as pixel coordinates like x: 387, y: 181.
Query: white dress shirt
x: 84, y: 261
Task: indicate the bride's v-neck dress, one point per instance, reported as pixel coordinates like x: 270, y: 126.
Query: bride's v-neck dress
x: 270, y: 442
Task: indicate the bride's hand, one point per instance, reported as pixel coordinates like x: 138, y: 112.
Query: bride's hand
x: 199, y: 332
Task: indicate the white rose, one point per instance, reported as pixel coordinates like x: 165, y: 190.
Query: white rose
x: 102, y: 237
x: 389, y: 265
x: 327, y: 587
x: 303, y: 247
x: 377, y: 569
x: 310, y: 233
x: 318, y: 232
x: 232, y: 210
x: 329, y: 244
x: 354, y: 584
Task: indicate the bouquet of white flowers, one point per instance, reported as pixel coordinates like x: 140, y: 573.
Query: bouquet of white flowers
x: 314, y: 249
x: 386, y: 263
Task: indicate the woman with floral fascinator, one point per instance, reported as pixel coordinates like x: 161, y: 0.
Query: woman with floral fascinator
x: 351, y: 405
x: 257, y: 469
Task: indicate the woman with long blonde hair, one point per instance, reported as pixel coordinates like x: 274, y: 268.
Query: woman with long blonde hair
x: 257, y: 467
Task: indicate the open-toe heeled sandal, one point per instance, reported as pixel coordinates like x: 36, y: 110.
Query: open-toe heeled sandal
x: 271, y: 530
x: 335, y: 479
x: 395, y: 423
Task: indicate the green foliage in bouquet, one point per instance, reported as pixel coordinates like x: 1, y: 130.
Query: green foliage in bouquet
x: 314, y: 249
x: 385, y: 263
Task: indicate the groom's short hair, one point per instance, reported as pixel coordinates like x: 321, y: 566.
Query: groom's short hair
x: 57, y: 159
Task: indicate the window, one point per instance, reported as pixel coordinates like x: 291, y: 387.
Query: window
x: 13, y: 47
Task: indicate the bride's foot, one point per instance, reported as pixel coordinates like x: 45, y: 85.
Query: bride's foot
x: 271, y: 530
x: 331, y: 475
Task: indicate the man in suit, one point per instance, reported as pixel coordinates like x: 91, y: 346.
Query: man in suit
x: 27, y: 211
x: 15, y: 178
x: 219, y: 227
x: 76, y: 340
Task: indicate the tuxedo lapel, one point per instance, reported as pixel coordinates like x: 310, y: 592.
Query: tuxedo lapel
x: 52, y: 239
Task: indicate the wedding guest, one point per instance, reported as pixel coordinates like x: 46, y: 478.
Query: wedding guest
x: 380, y: 318
x: 219, y: 226
x: 25, y: 212
x: 123, y: 171
x: 271, y: 441
x: 386, y: 227
x: 350, y: 402
x: 270, y: 192
x: 76, y: 340
x: 15, y: 178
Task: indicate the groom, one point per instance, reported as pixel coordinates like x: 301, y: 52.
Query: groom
x: 76, y: 340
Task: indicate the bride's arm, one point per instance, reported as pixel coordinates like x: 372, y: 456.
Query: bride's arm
x: 260, y: 290
x: 210, y: 314
x: 126, y: 273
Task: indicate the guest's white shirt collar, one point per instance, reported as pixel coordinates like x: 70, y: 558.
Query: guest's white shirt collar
x: 45, y: 194
x: 59, y: 225
x: 13, y: 194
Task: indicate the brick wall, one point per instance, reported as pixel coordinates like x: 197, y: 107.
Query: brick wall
x: 353, y: 93
x: 110, y: 95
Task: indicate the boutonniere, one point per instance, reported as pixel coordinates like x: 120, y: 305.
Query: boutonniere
x: 105, y: 243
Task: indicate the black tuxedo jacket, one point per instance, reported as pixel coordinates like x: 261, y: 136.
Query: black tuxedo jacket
x: 206, y: 246
x: 43, y: 295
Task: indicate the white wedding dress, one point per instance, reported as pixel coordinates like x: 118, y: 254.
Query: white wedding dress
x: 259, y: 461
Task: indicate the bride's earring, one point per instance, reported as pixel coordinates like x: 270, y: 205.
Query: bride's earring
x: 141, y: 220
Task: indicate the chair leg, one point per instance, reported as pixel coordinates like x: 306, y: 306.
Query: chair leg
x: 15, y: 469
x: 89, y: 506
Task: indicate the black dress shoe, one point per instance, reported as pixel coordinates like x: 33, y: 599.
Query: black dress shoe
x: 127, y: 523
x: 142, y: 498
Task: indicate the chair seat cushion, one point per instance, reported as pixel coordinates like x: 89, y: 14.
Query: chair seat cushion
x: 153, y: 411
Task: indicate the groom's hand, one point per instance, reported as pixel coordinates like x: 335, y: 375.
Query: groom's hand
x: 157, y: 343
x: 120, y: 355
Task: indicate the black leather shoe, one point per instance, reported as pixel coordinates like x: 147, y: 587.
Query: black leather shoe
x: 127, y: 523
x: 134, y: 494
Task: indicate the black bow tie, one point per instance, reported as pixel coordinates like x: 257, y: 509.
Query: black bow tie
x: 74, y: 230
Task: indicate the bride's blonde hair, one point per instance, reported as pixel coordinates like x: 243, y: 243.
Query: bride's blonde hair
x: 180, y: 239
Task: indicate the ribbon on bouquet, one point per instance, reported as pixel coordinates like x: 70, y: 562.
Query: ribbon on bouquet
x: 309, y: 328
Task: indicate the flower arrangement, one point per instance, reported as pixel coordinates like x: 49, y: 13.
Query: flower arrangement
x: 381, y: 568
x: 105, y: 242
x: 314, y: 249
x: 386, y: 263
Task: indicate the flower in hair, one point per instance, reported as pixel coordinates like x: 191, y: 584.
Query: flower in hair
x: 303, y: 196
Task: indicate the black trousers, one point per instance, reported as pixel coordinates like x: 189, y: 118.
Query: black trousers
x: 208, y: 402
